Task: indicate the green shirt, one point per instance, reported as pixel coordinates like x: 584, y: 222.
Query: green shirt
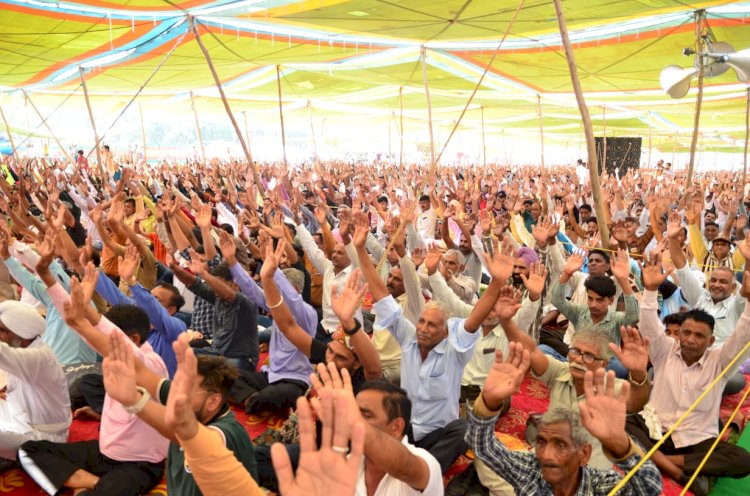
x: 179, y: 478
x: 580, y: 317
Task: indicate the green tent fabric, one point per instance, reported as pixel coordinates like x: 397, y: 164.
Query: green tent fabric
x: 349, y: 58
x: 726, y: 486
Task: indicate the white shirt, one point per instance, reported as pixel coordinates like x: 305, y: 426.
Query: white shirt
x: 426, y: 221
x: 390, y: 486
x: 331, y: 280
x: 38, y: 397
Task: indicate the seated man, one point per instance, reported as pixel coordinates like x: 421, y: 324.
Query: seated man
x: 597, y: 313
x: 434, y: 354
x: 559, y: 463
x: 37, y: 405
x: 160, y: 304
x: 129, y: 454
x: 683, y: 368
x: 132, y: 384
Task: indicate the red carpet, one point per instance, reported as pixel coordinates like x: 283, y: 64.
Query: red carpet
x: 510, y: 430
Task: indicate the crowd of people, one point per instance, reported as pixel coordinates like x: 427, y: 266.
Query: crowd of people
x: 390, y: 313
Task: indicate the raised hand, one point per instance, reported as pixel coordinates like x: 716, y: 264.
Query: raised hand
x: 228, y: 247
x: 88, y: 283
x: 633, y: 353
x: 418, y: 256
x: 620, y: 266
x: 119, y: 371
x: 128, y: 265
x: 508, y: 303
x: 179, y: 415
x: 541, y: 231
x: 674, y: 226
x: 272, y: 259
x: 116, y: 212
x: 505, y: 377
x: 361, y: 229
x: 203, y: 219
x: 432, y: 259
x: 197, y: 265
x: 46, y: 250
x: 74, y: 309
x: 535, y: 282
x: 602, y: 412
x: 327, y: 471
x: 574, y: 263
x: 653, y: 275
x: 500, y: 265
x: 346, y: 302
x: 744, y: 248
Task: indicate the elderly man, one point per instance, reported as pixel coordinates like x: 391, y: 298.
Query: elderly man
x: 559, y: 464
x: 434, y: 354
x: 683, y: 369
x: 36, y: 406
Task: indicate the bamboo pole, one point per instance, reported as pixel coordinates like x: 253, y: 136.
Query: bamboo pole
x: 484, y: 144
x: 247, y: 129
x: 245, y: 147
x: 312, y: 131
x: 401, y: 127
x: 604, y: 139
x: 587, y: 126
x: 10, y: 137
x: 281, y: 112
x: 198, y: 127
x: 143, y: 131
x: 541, y: 123
x: 747, y: 137
x: 699, y: 16
x: 429, y: 106
x: 49, y: 130
x: 93, y: 122
x: 649, y: 139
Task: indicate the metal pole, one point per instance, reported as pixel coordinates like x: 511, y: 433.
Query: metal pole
x: 401, y: 127
x: 649, y: 139
x: 49, y: 130
x: 699, y: 16
x: 429, y: 106
x: 484, y: 144
x: 541, y: 124
x: 143, y: 131
x: 281, y: 112
x: 747, y: 137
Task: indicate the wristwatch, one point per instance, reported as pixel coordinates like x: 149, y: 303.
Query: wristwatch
x: 141, y: 403
x: 352, y: 332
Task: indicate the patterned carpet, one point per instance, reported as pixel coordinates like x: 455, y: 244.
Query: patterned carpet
x: 510, y: 430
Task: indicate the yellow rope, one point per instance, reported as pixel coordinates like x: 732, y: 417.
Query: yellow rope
x: 716, y: 442
x: 671, y: 430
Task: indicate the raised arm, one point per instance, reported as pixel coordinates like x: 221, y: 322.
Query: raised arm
x: 378, y: 290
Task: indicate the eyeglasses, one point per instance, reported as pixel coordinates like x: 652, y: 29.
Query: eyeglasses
x: 588, y: 358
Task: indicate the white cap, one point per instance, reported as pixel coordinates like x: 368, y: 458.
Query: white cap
x: 22, y: 319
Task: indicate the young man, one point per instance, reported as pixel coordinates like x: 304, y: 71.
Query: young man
x: 559, y: 464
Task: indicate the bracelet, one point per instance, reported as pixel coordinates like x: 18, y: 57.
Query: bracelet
x: 140, y: 404
x: 635, y: 383
x: 271, y: 307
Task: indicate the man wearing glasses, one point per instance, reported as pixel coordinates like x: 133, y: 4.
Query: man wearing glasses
x: 590, y: 350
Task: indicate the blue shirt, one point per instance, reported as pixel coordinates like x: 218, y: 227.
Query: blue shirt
x: 164, y: 327
x: 285, y: 360
x: 434, y: 386
x: 66, y: 344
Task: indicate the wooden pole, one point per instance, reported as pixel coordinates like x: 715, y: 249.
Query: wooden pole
x: 604, y: 139
x: 747, y: 137
x: 245, y: 147
x: 699, y: 16
x: 49, y: 130
x: 649, y: 140
x: 198, y: 127
x: 484, y: 144
x: 312, y: 131
x: 93, y: 122
x: 429, y: 106
x: 541, y: 124
x: 401, y: 127
x: 10, y: 137
x: 390, y: 136
x: 281, y: 112
x: 587, y: 126
x: 143, y: 131
x: 247, y: 129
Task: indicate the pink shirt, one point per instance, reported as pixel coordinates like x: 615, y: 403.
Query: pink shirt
x: 677, y: 386
x: 123, y: 436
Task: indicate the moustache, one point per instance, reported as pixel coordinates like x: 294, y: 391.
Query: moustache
x: 578, y: 367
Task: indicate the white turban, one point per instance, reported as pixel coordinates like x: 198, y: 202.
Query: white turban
x: 21, y: 319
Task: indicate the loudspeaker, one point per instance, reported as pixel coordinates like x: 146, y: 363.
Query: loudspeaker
x: 624, y: 153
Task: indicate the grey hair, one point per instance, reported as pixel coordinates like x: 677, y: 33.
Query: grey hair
x: 595, y: 337
x: 460, y: 259
x: 296, y: 278
x: 441, y: 307
x: 562, y: 414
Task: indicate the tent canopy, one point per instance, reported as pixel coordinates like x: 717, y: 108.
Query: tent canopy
x: 350, y: 58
